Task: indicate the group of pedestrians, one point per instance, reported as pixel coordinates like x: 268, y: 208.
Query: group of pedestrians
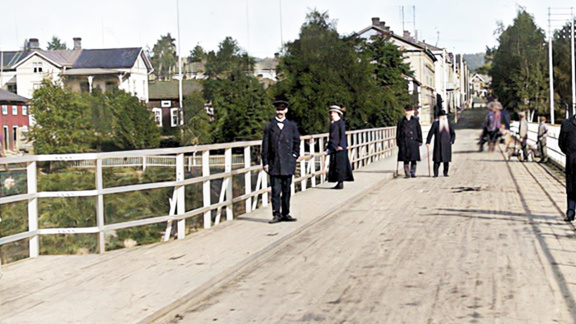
x: 281, y: 149
x: 409, y: 139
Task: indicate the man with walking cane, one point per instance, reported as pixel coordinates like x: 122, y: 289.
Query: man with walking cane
x: 409, y: 140
x: 444, y: 137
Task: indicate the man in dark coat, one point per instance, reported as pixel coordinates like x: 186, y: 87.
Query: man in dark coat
x: 337, y: 148
x: 409, y: 140
x: 280, y: 150
x: 567, y: 144
x: 444, y: 137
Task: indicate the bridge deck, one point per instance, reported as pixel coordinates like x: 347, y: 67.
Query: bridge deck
x: 158, y: 281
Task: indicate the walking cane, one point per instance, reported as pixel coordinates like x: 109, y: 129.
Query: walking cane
x: 428, y: 159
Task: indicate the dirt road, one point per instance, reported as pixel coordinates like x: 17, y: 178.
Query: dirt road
x: 485, y: 245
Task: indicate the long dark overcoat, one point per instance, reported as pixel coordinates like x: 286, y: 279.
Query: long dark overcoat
x: 340, y: 168
x: 567, y: 144
x: 408, y: 139
x: 443, y: 140
x: 280, y: 147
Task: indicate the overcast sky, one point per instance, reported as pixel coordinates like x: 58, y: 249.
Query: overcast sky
x: 259, y: 26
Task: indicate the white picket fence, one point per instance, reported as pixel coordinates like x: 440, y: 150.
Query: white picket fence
x: 365, y: 147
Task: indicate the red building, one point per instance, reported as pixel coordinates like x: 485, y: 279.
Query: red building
x: 14, y: 118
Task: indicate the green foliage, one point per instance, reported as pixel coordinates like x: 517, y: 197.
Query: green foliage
x: 320, y: 69
x: 562, y: 66
x: 197, y: 55
x: 241, y: 105
x: 164, y: 58
x: 134, y: 126
x: 197, y: 128
x: 519, y: 65
x: 229, y: 61
x: 56, y: 44
x: 62, y: 121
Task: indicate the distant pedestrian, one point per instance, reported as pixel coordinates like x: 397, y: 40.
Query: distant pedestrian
x: 280, y: 150
x: 523, y: 134
x: 567, y: 144
x: 337, y: 147
x: 444, y: 137
x: 409, y: 140
x: 541, y: 142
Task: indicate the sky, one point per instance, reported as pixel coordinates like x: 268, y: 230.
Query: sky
x: 261, y: 26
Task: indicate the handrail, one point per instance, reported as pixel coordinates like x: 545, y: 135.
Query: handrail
x: 365, y: 147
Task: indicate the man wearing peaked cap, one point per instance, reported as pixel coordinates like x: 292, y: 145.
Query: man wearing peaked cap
x: 280, y: 150
x: 408, y: 140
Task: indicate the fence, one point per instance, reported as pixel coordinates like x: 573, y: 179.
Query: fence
x: 229, y: 177
x: 553, y: 151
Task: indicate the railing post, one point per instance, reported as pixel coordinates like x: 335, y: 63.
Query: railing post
x: 206, y: 189
x: 303, y: 167
x: 322, y: 161
x: 313, y: 161
x: 34, y: 243
x: 229, y: 189
x: 180, y: 195
x: 247, y: 179
x: 100, y: 207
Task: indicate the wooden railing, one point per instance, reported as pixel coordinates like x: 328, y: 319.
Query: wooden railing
x: 213, y: 164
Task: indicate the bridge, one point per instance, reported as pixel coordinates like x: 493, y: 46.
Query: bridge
x: 485, y: 244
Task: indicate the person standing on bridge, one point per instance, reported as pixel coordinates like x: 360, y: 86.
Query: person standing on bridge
x: 567, y: 144
x: 541, y: 143
x: 444, y: 137
x: 280, y: 150
x: 337, y: 147
x: 409, y: 140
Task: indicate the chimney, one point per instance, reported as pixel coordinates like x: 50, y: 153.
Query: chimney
x: 33, y: 43
x: 77, y: 43
x: 407, y: 35
x: 376, y: 21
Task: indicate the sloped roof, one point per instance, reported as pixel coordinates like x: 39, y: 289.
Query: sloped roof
x: 107, y: 58
x: 169, y: 89
x: 113, y: 58
x: 7, y: 96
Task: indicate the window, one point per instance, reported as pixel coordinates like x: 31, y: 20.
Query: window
x: 37, y: 67
x: 166, y: 104
x: 13, y: 88
x: 157, y: 116
x: 14, y: 134
x: 174, y: 116
x: 14, y: 110
x: 84, y: 87
x: 24, y: 110
x: 4, y: 109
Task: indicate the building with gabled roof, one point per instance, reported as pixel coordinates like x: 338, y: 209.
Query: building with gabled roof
x: 14, y: 119
x: 22, y: 72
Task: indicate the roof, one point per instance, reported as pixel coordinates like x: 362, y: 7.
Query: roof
x: 169, y: 89
x: 109, y: 58
x: 384, y: 31
x: 7, y: 96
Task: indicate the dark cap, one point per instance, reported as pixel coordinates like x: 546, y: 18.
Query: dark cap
x: 280, y: 104
x: 408, y: 108
x: 442, y: 113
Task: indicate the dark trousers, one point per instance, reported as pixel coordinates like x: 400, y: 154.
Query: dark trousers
x: 280, y: 194
x: 437, y: 166
x: 410, y: 168
x: 571, y: 204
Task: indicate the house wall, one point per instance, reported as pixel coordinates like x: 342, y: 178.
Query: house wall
x: 14, y: 122
x: 30, y: 79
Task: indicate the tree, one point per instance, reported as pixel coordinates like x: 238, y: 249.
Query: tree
x: 228, y: 61
x: 519, y: 65
x: 241, y: 105
x: 197, y: 55
x: 164, y: 58
x: 56, y: 44
x: 62, y: 121
x: 320, y: 69
x: 197, y: 128
x: 562, y: 67
x: 133, y: 124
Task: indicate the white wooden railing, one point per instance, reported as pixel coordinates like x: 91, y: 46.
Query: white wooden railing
x: 365, y: 147
x: 553, y: 151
